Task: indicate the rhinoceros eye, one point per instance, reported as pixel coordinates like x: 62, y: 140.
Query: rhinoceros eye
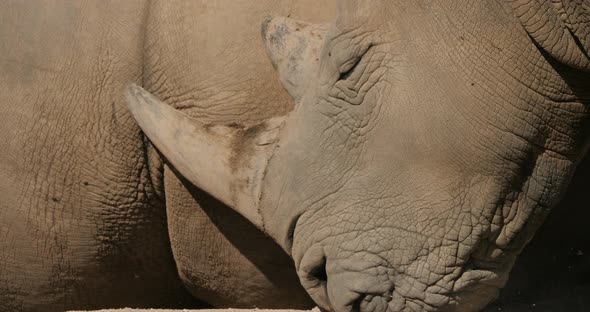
x: 348, y: 68
x: 357, y: 75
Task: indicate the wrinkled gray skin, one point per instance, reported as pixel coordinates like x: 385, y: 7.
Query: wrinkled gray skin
x: 426, y: 173
x: 428, y: 146
x: 430, y: 141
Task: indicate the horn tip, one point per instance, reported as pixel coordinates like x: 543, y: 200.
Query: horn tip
x: 138, y: 98
x: 133, y: 88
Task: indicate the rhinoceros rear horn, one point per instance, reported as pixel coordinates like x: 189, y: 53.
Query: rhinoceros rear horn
x: 294, y: 48
x: 228, y: 162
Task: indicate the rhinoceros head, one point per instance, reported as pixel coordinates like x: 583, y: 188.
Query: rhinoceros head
x: 429, y: 141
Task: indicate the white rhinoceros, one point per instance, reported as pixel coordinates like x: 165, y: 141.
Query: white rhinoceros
x: 429, y: 141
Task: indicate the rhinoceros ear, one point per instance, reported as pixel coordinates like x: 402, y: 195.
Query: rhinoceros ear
x: 228, y: 162
x: 294, y: 48
x: 561, y: 28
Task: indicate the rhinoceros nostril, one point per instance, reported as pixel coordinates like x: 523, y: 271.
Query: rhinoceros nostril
x: 319, y: 271
x: 313, y: 266
x: 356, y: 304
x: 314, y: 278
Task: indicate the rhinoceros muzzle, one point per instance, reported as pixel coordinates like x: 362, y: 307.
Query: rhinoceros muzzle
x: 358, y: 282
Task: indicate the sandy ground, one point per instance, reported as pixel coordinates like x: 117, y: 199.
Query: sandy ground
x: 203, y: 310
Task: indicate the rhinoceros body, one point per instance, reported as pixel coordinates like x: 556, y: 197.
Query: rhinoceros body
x: 385, y: 156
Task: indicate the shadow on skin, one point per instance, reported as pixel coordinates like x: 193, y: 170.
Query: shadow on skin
x: 260, y: 250
x: 553, y: 272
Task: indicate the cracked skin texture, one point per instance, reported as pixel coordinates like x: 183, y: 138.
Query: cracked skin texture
x: 89, y: 215
x: 425, y: 167
x: 82, y: 222
x: 77, y: 243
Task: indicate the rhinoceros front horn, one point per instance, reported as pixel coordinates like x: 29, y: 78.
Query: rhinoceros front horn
x: 227, y: 162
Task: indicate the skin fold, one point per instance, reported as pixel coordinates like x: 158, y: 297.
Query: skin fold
x: 428, y: 143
